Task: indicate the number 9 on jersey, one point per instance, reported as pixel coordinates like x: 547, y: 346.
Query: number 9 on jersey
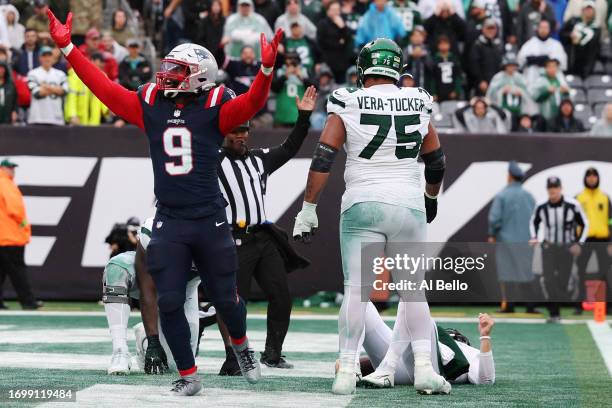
x: 177, y: 144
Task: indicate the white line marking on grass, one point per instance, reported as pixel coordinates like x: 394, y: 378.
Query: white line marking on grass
x: 207, y: 365
x: 602, y: 334
x: 295, y: 341
x: 297, y: 316
x: 113, y: 395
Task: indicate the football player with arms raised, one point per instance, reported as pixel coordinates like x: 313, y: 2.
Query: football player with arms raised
x: 185, y: 118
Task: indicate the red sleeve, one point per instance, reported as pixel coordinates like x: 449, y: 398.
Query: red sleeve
x: 242, y: 108
x: 119, y: 100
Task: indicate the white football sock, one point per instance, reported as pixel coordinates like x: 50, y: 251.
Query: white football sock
x: 117, y: 315
x: 192, y: 312
x: 412, y: 326
x: 377, y: 336
x: 351, y: 325
x: 422, y: 352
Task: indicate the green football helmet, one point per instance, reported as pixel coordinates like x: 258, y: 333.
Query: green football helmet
x: 380, y: 57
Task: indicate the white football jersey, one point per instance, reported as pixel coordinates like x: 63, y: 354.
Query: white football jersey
x: 385, y: 126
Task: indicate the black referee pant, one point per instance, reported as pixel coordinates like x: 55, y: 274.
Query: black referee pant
x: 12, y: 264
x: 598, y: 246
x: 259, y: 258
x: 557, y: 262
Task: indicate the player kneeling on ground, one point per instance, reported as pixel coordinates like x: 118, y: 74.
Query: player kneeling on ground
x: 461, y: 363
x: 125, y: 277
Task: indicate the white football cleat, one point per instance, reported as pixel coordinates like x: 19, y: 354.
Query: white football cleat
x: 141, y: 338
x: 379, y: 379
x: 185, y: 387
x: 121, y: 362
x: 249, y: 366
x: 345, y: 381
x: 427, y: 381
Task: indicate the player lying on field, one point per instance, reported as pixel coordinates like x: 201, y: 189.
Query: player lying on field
x: 461, y: 363
x: 186, y: 117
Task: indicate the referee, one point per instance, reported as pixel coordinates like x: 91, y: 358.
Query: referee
x: 565, y: 229
x: 263, y: 249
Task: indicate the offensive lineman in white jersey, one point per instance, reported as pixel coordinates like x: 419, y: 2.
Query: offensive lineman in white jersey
x: 125, y: 277
x: 383, y: 129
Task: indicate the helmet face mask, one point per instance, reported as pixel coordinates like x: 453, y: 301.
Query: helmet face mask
x: 188, y: 68
x: 172, y: 75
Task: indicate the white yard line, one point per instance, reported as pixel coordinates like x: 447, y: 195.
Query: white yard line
x: 297, y: 316
x: 207, y: 365
x: 296, y: 341
x: 602, y: 334
x: 111, y: 396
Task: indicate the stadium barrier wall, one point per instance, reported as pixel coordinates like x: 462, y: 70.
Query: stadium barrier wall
x: 79, y: 181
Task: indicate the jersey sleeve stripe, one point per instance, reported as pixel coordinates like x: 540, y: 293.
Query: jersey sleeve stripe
x: 336, y: 101
x: 210, y: 100
x: 143, y: 90
x: 149, y: 92
x: 215, y: 96
x: 145, y: 231
x: 153, y: 94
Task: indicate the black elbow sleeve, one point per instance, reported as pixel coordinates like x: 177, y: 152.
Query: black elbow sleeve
x: 435, y: 164
x: 323, y: 158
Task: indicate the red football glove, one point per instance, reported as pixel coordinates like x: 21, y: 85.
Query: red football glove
x: 60, y: 32
x: 268, y: 51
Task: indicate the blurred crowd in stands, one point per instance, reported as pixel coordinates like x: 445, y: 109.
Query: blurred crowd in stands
x: 492, y: 66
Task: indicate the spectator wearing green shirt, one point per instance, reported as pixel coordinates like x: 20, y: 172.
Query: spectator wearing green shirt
x: 290, y: 82
x: 550, y: 89
x: 295, y: 41
x: 410, y: 16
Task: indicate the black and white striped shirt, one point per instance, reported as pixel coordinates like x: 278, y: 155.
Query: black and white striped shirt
x: 564, y: 222
x: 243, y: 178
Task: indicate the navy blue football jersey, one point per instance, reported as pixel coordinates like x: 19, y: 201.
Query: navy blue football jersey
x: 184, y: 146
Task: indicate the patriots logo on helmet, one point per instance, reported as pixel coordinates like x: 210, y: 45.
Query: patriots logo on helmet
x: 201, y: 54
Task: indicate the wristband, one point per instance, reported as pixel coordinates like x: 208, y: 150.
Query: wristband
x: 153, y: 340
x: 267, y: 71
x: 430, y: 196
x: 309, y: 206
x: 66, y: 50
x: 485, y: 338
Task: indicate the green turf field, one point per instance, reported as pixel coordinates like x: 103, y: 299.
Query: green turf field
x: 537, y: 365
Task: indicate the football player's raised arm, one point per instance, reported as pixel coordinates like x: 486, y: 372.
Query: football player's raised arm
x: 435, y: 162
x: 331, y: 140
x: 119, y: 100
x: 245, y: 106
x: 242, y: 108
x: 484, y: 371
